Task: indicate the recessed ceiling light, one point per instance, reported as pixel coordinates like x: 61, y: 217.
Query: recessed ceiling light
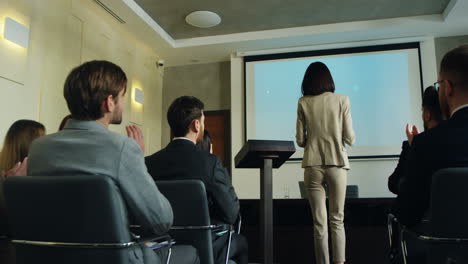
x: 203, y: 19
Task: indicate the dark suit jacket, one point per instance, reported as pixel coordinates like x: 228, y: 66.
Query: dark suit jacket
x: 181, y: 159
x: 444, y: 146
x: 400, y: 170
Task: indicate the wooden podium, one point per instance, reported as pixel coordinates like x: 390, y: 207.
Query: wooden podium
x: 265, y: 155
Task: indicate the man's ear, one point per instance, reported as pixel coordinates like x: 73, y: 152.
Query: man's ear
x: 427, y: 115
x: 108, y: 105
x: 196, y: 125
x: 449, y: 90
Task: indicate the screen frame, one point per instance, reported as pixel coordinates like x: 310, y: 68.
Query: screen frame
x: 325, y: 52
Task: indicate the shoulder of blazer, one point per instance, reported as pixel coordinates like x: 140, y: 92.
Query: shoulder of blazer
x: 341, y: 96
x: 343, y: 99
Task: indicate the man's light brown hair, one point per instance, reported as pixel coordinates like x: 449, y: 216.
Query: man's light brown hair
x: 89, y: 84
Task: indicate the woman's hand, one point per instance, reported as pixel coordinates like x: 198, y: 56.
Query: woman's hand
x: 20, y: 169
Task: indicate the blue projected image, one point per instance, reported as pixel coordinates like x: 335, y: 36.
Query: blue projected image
x: 376, y: 84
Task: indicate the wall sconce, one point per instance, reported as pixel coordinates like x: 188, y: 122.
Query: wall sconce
x: 139, y: 96
x: 16, y: 32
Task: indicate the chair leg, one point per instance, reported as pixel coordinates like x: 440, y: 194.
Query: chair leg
x: 403, y: 247
x: 228, y: 246
x: 169, y: 253
x: 390, y: 229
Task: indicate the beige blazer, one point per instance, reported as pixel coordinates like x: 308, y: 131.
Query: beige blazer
x: 323, y: 127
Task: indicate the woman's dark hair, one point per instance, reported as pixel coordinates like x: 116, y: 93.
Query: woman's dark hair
x: 205, y: 145
x: 317, y: 80
x: 18, y: 140
x: 430, y: 102
x: 182, y: 112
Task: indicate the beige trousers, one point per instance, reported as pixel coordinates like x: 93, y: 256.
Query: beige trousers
x: 335, y: 178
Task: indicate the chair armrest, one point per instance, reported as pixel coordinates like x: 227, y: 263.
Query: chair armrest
x: 157, y: 239
x: 151, y: 241
x: 217, y: 229
x: 222, y: 228
x: 433, y: 239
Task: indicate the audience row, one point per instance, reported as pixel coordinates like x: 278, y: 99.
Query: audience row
x: 94, y: 92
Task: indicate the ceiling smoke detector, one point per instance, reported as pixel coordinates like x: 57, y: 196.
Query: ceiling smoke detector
x: 203, y: 19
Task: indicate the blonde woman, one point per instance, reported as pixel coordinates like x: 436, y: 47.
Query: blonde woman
x: 13, y: 162
x: 16, y: 144
x: 323, y: 128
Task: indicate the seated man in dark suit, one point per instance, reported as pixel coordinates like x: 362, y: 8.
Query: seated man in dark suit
x: 441, y: 147
x: 182, y: 159
x: 95, y: 92
x: 432, y: 117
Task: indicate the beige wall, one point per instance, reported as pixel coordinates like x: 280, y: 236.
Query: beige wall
x: 209, y: 82
x: 63, y: 34
x: 443, y: 45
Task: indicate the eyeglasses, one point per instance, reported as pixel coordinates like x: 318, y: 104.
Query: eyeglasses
x: 437, y: 85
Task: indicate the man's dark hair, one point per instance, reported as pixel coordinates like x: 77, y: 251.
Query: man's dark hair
x: 317, y: 80
x: 182, y: 112
x: 454, y: 67
x: 89, y: 84
x: 430, y: 102
x: 205, y: 145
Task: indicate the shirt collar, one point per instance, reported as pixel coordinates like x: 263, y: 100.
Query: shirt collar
x: 85, y: 125
x: 458, y: 108
x: 183, y: 138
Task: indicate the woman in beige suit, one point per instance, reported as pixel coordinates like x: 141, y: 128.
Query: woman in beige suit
x: 323, y: 128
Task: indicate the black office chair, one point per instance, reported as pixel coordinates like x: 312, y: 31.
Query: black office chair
x: 6, y: 250
x: 192, y: 224
x: 73, y: 219
x: 447, y: 228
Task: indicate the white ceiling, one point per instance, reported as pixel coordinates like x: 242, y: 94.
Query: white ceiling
x: 452, y: 21
x: 246, y: 15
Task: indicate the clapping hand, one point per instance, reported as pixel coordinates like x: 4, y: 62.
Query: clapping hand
x: 20, y: 169
x: 136, y: 133
x: 411, y: 131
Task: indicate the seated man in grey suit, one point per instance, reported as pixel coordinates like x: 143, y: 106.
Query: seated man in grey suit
x: 95, y: 94
x: 182, y: 159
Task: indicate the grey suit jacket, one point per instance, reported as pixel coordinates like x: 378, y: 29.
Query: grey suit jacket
x: 87, y: 147
x: 323, y: 127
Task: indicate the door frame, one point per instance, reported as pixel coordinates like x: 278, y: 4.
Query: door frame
x: 227, y: 136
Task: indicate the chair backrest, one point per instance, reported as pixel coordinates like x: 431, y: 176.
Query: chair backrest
x: 352, y: 191
x: 190, y: 207
x: 67, y: 209
x: 302, y: 190
x: 448, y: 216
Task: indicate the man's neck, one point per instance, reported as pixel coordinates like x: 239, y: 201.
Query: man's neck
x: 103, y: 121
x: 457, y: 105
